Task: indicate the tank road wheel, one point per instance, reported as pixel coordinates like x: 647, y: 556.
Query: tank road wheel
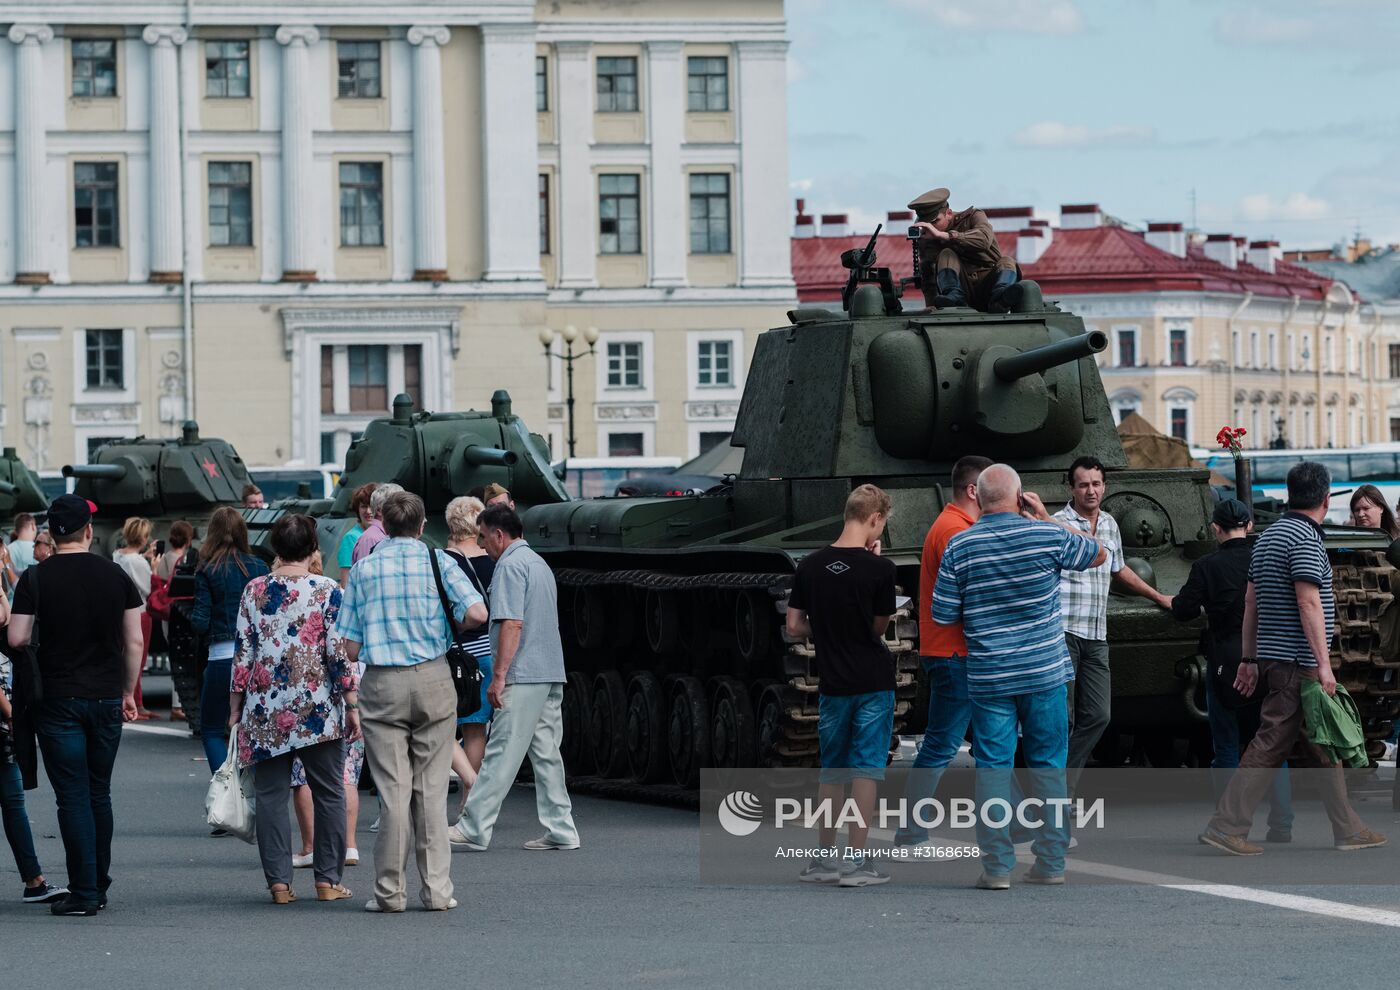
x: 753, y: 624
x: 590, y: 617
x: 607, y: 730
x: 731, y: 738
x: 663, y: 621
x: 575, y: 746
x: 688, y: 731
x: 770, y: 722
x: 646, y: 729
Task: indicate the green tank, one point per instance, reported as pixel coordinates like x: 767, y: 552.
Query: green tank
x: 438, y: 456
x: 672, y: 608
x: 20, y: 488
x: 161, y: 479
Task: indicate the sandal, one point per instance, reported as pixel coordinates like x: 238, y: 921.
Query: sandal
x: 283, y: 896
x: 337, y: 893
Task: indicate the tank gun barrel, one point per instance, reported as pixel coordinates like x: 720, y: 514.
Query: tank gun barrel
x: 104, y: 472
x: 8, y: 488
x: 479, y: 456
x: 1041, y: 359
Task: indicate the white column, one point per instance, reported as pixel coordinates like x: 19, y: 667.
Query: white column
x: 429, y: 166
x: 765, y: 256
x: 577, y: 209
x: 670, y: 218
x: 298, y: 166
x: 512, y: 152
x: 30, y: 151
x: 167, y: 262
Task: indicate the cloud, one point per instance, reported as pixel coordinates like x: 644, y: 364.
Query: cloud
x: 1053, y: 134
x: 1054, y: 17
x: 1259, y: 27
x: 800, y: 185
x: 1297, y: 206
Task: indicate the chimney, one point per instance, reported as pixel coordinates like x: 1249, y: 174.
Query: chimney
x: 1241, y: 250
x: 1168, y: 237
x: 1264, y: 255
x: 835, y: 225
x: 1009, y: 218
x: 1220, y: 248
x: 1031, y: 243
x: 1080, y: 216
x: 803, y: 225
x: 898, y: 221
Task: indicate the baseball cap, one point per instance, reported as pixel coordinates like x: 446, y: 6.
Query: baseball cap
x: 1231, y: 513
x: 68, y: 514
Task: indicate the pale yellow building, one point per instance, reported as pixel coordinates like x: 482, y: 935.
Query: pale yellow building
x: 274, y: 218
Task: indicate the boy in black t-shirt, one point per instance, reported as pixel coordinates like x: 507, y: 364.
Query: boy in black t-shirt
x: 842, y: 599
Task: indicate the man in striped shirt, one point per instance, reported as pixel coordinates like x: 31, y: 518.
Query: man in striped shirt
x: 1001, y: 580
x: 1289, y: 610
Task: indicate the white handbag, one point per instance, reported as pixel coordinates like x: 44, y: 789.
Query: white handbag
x: 229, y: 803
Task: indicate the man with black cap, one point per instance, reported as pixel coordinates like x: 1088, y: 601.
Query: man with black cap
x: 90, y: 653
x: 1216, y: 585
x: 959, y: 259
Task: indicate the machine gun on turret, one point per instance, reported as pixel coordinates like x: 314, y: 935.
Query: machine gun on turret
x: 863, y: 271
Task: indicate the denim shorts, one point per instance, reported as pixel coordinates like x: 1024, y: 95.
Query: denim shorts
x: 854, y: 732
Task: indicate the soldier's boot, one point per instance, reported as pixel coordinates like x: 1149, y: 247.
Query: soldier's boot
x: 1006, y: 293
x: 950, y: 290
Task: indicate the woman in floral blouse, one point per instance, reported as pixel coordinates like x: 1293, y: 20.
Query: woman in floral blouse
x: 294, y: 695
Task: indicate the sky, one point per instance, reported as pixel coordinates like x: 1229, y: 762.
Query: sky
x: 1277, y: 119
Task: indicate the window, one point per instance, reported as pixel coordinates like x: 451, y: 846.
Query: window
x: 714, y: 365
x: 1394, y: 353
x: 544, y: 214
x: 369, y: 378
x: 93, y: 443
x: 619, y: 210
x: 709, y: 214
x: 1371, y: 467
x: 617, y: 85
x: 1127, y: 348
x: 709, y: 440
x: 105, y: 359
x: 226, y: 69
x: 361, y: 204
x: 1180, y: 426
x: 94, y: 67
x: 1254, y: 348
x: 1176, y: 348
x: 328, y: 448
x: 708, y: 84
x: 327, y: 379
x: 1273, y: 350
x: 413, y: 373
x: 1395, y: 429
x: 230, y: 204
x: 541, y: 83
x: 625, y: 445
x: 358, y: 69
x: 624, y: 366
x: 95, y: 204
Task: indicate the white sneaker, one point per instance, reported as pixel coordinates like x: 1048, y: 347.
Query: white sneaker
x: 457, y: 835
x: 352, y: 856
x: 451, y: 903
x: 302, y: 861
x: 548, y: 842
x: 375, y: 826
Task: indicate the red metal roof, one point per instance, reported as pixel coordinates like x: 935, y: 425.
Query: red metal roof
x: 1093, y: 259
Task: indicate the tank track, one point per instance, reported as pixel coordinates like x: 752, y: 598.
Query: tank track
x: 1362, y: 584
x: 790, y: 740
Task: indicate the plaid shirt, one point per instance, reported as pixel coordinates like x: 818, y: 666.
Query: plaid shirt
x: 1084, y: 594
x: 391, y: 606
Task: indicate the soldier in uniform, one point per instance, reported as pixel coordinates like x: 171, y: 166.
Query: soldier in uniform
x: 960, y: 262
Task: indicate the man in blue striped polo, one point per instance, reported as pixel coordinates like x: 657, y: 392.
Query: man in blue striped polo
x: 1001, y: 580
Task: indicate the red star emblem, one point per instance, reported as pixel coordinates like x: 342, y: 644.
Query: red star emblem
x: 211, y: 467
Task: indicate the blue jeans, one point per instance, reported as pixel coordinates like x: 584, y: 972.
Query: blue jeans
x: 1045, y: 743
x: 949, y: 714
x: 213, y: 712
x: 854, y: 732
x: 79, y: 739
x: 16, y: 820
x: 1230, y: 732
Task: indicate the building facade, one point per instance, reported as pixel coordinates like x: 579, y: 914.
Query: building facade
x: 273, y: 218
x: 1204, y: 330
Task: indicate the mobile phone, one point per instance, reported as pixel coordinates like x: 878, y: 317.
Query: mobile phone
x: 160, y: 546
x: 900, y: 601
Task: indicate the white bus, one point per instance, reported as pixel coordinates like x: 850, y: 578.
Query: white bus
x: 1374, y: 464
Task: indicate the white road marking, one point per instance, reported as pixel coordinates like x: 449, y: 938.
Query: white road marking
x: 155, y: 730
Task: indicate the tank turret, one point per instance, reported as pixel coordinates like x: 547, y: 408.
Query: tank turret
x: 162, y: 479
x: 20, y: 489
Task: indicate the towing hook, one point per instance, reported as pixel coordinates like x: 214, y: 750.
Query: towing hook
x: 1192, y: 670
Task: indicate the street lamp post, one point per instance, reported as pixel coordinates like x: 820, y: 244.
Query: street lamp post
x: 570, y: 334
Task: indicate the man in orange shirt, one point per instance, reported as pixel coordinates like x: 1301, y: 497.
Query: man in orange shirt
x: 943, y: 651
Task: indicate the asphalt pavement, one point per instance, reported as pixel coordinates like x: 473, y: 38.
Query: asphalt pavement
x: 629, y: 909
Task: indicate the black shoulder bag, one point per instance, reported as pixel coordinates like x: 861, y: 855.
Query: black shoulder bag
x: 466, y: 672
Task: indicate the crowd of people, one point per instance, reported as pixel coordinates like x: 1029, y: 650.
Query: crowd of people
x: 1013, y: 635
x: 302, y: 680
